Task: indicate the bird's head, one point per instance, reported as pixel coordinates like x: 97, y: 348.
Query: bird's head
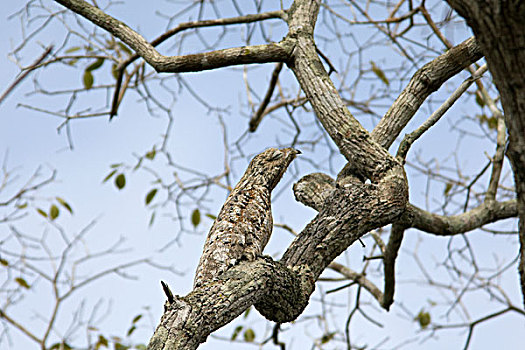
x: 269, y: 166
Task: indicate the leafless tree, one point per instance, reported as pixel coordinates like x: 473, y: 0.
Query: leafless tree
x: 337, y: 67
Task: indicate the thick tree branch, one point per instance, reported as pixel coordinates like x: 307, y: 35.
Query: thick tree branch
x: 486, y: 213
x: 351, y: 138
x: 314, y: 189
x: 273, y: 52
x: 347, y: 214
x: 181, y: 27
x: 424, y: 82
x: 498, y: 26
x: 497, y: 159
x: 189, y: 320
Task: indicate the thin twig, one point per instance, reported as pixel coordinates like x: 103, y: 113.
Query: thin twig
x: 26, y: 73
x: 258, y: 115
x: 409, y: 139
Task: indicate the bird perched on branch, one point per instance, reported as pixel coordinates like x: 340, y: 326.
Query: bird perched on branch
x: 244, y: 224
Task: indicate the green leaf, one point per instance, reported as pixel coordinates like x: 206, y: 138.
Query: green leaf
x: 423, y: 318
x: 41, y: 212
x: 124, y: 48
x: 196, y: 217
x: 448, y: 187
x: 151, y: 194
x: 483, y: 119
x: 213, y: 217
x: 88, y: 80
x: 151, y: 154
x: 120, y: 181
x: 116, y: 165
x: 72, y: 61
x: 492, y: 123
x: 480, y: 101
x: 327, y: 337
x: 22, y: 282
x: 247, y: 312
x: 60, y: 346
x: 119, y: 346
x: 141, y: 347
x: 114, y: 71
x: 72, y: 49
x: 53, y: 212
x: 4, y: 262
x: 136, y: 318
x: 95, y: 65
x: 249, y: 335
x: 236, y: 332
x: 108, y: 176
x: 102, y: 341
x: 64, y: 204
x: 131, y: 330
x: 22, y: 206
x: 379, y: 72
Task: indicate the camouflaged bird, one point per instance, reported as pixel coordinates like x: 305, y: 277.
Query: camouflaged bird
x: 244, y: 224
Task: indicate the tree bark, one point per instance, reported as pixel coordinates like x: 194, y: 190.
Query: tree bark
x: 499, y: 27
x: 425, y: 81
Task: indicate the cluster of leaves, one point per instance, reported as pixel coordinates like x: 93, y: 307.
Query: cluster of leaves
x: 53, y: 212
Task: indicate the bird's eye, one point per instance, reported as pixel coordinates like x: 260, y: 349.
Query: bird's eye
x: 276, y: 155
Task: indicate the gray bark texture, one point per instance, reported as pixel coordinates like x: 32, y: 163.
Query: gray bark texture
x: 499, y: 27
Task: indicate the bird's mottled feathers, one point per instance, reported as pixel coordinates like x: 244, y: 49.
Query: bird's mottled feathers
x: 244, y: 224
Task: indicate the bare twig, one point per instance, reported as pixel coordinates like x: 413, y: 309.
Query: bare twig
x: 258, y: 115
x: 25, y: 73
x: 409, y: 139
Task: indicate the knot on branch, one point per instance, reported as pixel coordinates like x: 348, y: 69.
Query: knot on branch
x: 288, y: 294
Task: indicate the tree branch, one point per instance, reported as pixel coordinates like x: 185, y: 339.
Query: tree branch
x: 389, y: 263
x: 486, y: 213
x: 424, y: 82
x: 181, y: 27
x: 409, y: 139
x: 20, y: 327
x: 25, y: 73
x: 351, y: 138
x: 273, y: 52
x: 255, y: 120
x: 358, y: 278
x: 189, y: 320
